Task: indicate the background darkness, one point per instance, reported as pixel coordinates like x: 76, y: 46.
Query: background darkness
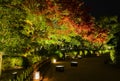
x: 103, y: 7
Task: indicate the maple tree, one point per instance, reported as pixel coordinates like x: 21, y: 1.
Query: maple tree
x: 66, y: 19
x: 84, y: 23
x: 53, y: 26
x: 48, y: 22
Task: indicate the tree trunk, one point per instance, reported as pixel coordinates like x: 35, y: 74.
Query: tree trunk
x: 83, y: 53
x: 0, y: 63
x: 63, y: 55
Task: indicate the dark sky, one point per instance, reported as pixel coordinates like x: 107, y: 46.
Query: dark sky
x: 104, y: 7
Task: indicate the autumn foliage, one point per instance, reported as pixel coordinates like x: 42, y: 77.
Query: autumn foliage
x: 73, y: 15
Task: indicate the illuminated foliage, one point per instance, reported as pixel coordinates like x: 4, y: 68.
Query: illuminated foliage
x: 31, y: 24
x: 11, y: 22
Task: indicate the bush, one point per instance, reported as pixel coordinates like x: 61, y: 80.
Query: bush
x: 11, y: 62
x: 33, y: 59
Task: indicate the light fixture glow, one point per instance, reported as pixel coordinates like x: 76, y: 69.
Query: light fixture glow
x: 37, y: 76
x: 54, y: 60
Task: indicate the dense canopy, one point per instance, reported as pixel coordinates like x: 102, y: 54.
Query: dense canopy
x: 30, y: 25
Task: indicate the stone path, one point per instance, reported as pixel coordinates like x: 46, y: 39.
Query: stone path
x: 88, y: 69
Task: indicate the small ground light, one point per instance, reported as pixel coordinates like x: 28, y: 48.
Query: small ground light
x: 37, y: 76
x: 74, y: 63
x: 60, y: 68
x: 15, y: 75
x: 54, y: 60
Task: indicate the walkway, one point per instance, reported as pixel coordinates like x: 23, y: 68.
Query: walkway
x: 88, y: 69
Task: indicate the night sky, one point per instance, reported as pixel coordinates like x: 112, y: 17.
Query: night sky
x: 103, y: 7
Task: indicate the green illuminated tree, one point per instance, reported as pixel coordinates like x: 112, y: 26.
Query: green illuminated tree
x: 112, y: 25
x: 11, y: 23
x: 31, y: 24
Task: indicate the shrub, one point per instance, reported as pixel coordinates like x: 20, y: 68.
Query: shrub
x: 33, y: 59
x: 11, y: 62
